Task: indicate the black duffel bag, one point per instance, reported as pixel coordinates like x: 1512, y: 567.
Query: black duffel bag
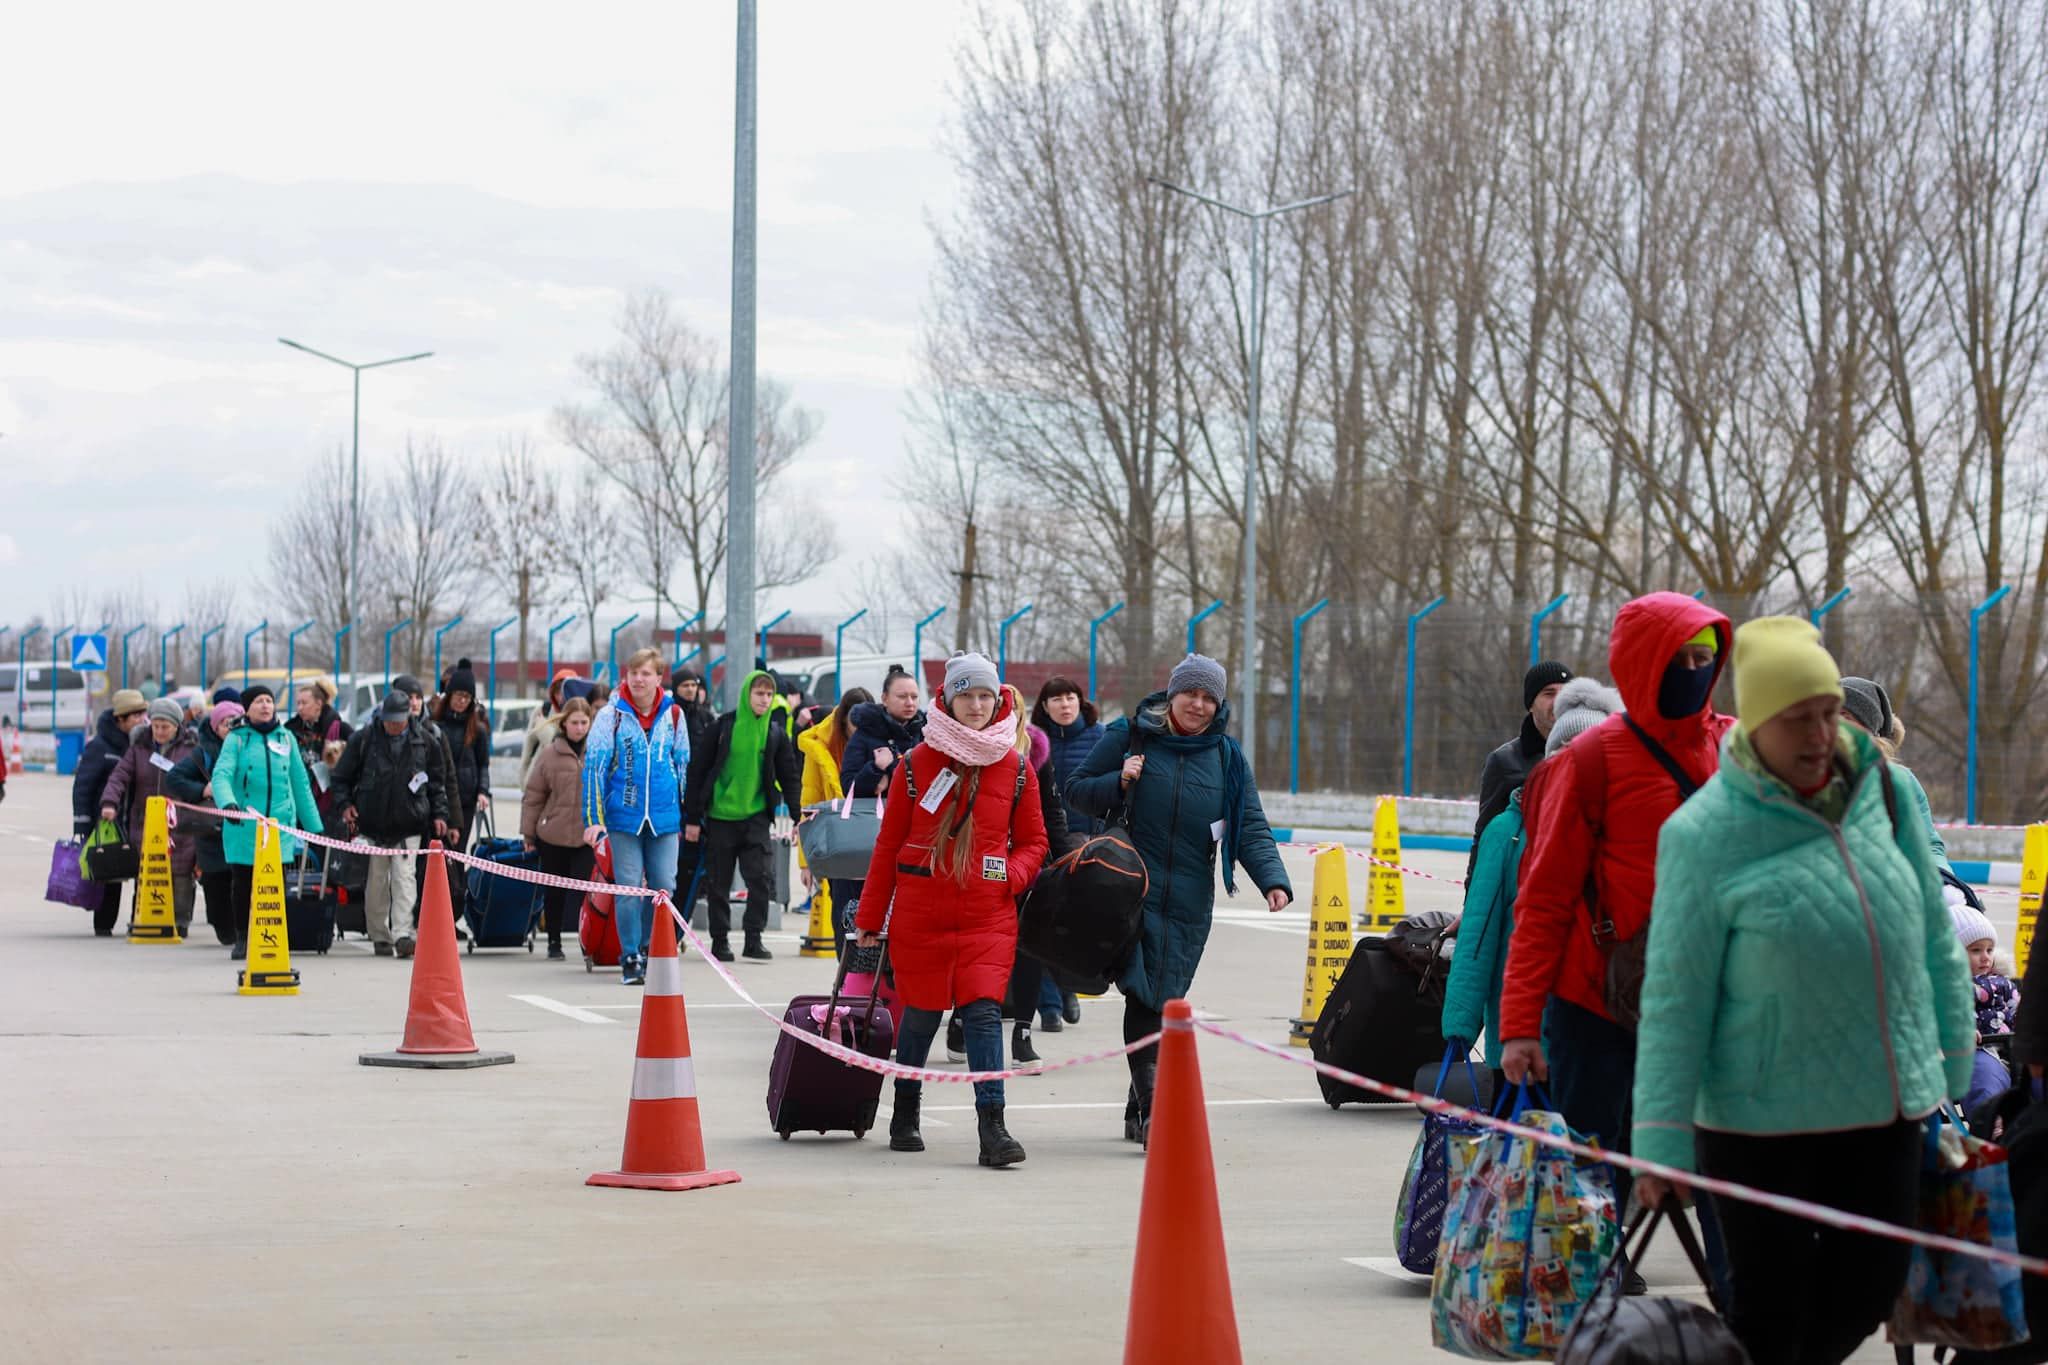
x: 1084, y: 912
x: 1614, y: 1329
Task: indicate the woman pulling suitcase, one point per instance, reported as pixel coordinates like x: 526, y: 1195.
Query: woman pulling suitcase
x: 962, y: 837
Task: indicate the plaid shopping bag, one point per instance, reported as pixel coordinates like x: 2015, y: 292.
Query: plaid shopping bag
x: 1419, y: 1212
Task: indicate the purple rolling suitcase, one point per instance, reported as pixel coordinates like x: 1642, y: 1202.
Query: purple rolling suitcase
x: 811, y: 1090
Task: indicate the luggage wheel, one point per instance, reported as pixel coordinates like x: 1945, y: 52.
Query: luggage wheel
x: 472, y: 945
x: 783, y: 1133
x: 1336, y: 1104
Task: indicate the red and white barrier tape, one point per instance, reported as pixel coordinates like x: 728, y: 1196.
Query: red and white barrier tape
x: 1797, y: 1208
x: 1376, y: 862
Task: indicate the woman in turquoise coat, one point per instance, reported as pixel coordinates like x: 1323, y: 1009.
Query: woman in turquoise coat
x: 1806, y: 1005
x: 260, y: 770
x: 1191, y: 802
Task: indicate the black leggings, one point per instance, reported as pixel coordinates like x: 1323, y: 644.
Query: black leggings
x: 241, y: 886
x: 575, y: 863
x: 108, y: 915
x: 1803, y: 1294
x: 1140, y: 1019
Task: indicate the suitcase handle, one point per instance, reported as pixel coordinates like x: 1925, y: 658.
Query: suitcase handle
x: 874, y: 994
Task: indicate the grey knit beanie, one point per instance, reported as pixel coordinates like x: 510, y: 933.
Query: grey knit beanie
x: 164, y: 708
x: 1582, y: 704
x: 1197, y: 673
x: 1868, y: 705
x: 968, y: 669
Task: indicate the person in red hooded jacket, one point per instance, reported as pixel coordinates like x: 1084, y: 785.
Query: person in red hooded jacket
x: 1593, y: 861
x: 962, y: 837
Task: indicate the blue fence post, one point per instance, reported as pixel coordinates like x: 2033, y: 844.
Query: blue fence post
x: 1536, y: 621
x: 612, y: 657
x: 1824, y: 608
x: 291, y: 662
x: 556, y: 629
x: 125, y: 638
x: 387, y: 649
x: 437, y: 649
x: 1196, y: 620
x: 339, y: 636
x: 1094, y: 626
x: 163, y: 655
x: 55, y: 656
x: 491, y: 687
x: 680, y: 631
x: 1408, y: 704
x: 839, y: 655
x: 206, y: 683
x: 1003, y: 640
x: 247, y: 636
x: 762, y: 652
x: 1970, y: 777
x: 1294, y: 711
x: 917, y: 645
x: 21, y: 674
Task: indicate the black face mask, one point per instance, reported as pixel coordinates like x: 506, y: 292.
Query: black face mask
x: 1684, y: 691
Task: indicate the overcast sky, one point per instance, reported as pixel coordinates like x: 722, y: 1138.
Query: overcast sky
x: 181, y: 186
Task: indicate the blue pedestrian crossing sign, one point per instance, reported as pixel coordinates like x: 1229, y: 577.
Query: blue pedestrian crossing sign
x: 89, y: 653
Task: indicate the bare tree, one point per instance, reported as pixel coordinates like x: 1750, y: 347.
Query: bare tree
x: 596, y: 561
x: 520, y: 537
x: 309, y: 548
x: 432, y: 512
x: 654, y: 423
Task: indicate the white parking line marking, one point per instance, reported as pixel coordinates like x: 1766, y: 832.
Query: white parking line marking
x: 566, y: 1011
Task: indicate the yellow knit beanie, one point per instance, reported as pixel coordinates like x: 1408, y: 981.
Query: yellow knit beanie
x: 1779, y: 662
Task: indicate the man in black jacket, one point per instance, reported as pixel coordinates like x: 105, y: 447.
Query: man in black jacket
x: 102, y: 754
x: 1508, y: 766
x: 392, y: 785
x: 729, y: 806
x: 688, y: 688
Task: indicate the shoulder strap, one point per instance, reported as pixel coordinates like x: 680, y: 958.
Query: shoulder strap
x: 1017, y: 796
x: 909, y: 777
x: 1589, y: 768
x: 1686, y: 786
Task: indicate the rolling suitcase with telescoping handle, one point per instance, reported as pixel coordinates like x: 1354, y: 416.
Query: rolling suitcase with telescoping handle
x: 812, y: 1091
x: 308, y: 913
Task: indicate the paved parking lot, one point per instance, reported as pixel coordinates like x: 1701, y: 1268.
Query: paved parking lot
x: 190, y: 1175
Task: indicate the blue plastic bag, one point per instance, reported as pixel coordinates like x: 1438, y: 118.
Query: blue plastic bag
x: 1952, y: 1300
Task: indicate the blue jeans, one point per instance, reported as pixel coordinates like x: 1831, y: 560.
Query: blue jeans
x: 980, y: 1020
x: 644, y: 859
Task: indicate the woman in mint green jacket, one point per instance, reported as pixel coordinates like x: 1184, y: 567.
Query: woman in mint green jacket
x: 259, y: 770
x: 1806, y: 1005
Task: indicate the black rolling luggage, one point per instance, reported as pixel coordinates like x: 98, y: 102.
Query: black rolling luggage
x: 1381, y: 1021
x: 308, y: 914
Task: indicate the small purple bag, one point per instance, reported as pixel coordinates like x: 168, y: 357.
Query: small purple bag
x: 67, y: 885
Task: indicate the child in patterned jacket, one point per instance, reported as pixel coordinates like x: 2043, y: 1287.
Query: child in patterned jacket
x: 1998, y: 1000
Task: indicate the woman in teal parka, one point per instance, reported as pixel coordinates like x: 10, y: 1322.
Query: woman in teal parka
x: 1805, y: 1005
x: 1189, y: 794
x: 259, y: 770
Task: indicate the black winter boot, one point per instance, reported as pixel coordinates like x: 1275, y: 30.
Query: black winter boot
x: 998, y: 1148
x: 1138, y: 1105
x: 1020, y: 1046
x: 903, y: 1134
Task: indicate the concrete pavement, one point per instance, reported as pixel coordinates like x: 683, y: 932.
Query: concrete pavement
x: 189, y: 1175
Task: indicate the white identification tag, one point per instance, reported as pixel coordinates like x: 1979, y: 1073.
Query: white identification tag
x: 418, y: 780
x: 948, y: 780
x: 1216, y: 831
x: 280, y: 747
x: 994, y: 869
x: 160, y: 761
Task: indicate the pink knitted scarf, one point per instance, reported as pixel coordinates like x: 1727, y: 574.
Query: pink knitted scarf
x: 975, y: 748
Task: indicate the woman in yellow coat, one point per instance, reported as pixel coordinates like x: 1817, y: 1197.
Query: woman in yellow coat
x: 823, y: 746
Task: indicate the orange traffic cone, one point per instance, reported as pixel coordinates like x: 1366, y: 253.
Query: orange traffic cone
x: 437, y: 1034
x: 14, y: 767
x: 664, y: 1136
x: 1180, y: 1287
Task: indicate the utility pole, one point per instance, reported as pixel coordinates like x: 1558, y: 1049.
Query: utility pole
x: 967, y: 577
x: 739, y: 502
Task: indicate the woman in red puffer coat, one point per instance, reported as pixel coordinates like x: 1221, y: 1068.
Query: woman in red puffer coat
x: 962, y: 837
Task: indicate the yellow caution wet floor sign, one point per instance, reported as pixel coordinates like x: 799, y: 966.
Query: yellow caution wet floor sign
x: 270, y: 969
x: 2033, y: 878
x: 155, y: 919
x: 1329, y: 940
x: 1385, y: 904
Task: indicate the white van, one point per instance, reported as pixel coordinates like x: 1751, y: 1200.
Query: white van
x: 820, y: 675
x: 74, y: 704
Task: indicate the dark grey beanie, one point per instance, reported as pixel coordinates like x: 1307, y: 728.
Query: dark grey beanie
x: 1197, y: 673
x: 1869, y: 705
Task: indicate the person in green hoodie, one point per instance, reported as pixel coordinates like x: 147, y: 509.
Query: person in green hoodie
x: 746, y: 768
x: 1806, y: 1005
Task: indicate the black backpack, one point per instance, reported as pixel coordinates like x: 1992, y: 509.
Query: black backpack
x: 1084, y: 913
